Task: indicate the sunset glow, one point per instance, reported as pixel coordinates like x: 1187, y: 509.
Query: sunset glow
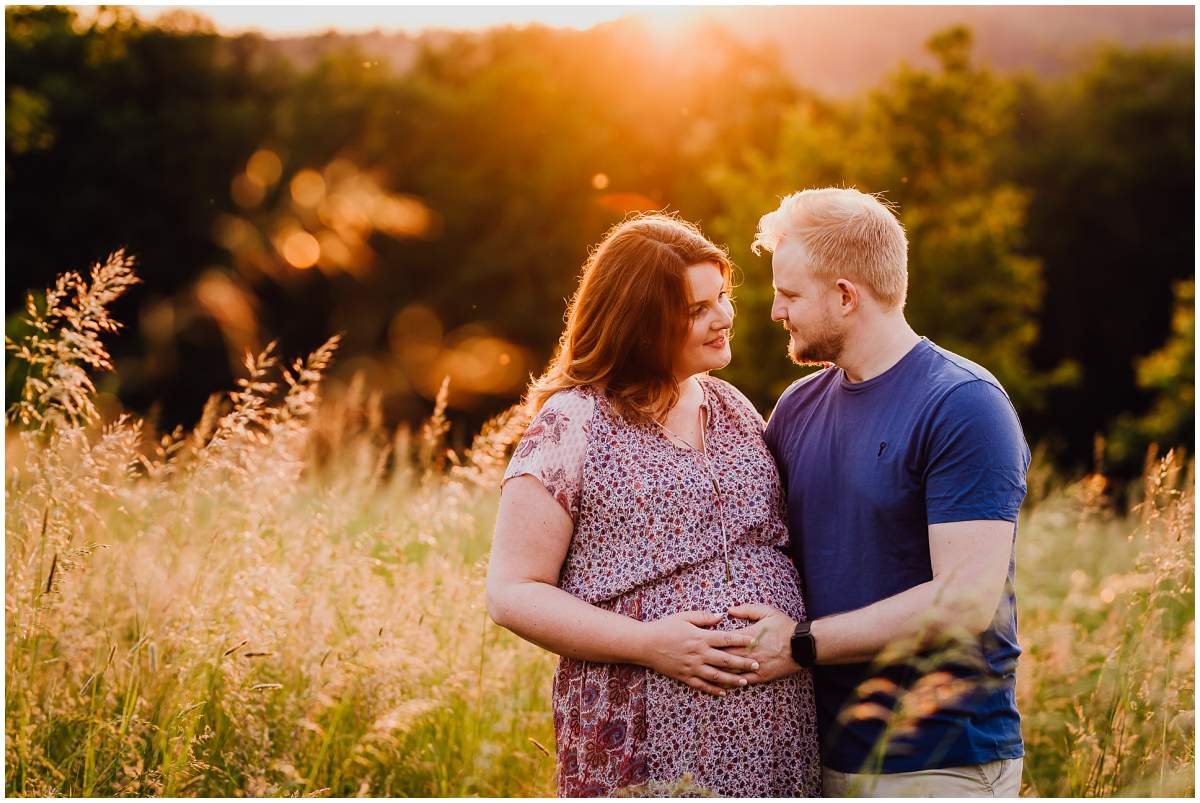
x: 301, y: 20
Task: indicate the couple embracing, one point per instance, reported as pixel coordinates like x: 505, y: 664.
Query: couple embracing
x: 743, y: 605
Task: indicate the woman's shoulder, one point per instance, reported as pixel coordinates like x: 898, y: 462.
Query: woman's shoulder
x: 559, y: 431
x: 569, y: 409
x: 580, y: 400
x: 734, y: 400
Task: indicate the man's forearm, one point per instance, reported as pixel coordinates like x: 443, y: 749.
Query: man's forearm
x: 970, y: 560
x: 917, y: 615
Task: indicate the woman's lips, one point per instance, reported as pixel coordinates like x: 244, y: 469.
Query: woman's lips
x: 716, y: 343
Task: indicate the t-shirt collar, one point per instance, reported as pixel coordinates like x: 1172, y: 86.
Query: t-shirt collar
x: 858, y: 387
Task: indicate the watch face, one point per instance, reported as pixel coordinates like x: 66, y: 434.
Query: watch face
x: 803, y: 648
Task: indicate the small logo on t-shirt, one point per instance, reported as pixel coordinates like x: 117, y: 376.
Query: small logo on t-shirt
x: 882, y: 446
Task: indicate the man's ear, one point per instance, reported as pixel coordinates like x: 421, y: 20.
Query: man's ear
x: 849, y: 296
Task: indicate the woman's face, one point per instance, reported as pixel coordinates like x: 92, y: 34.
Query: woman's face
x: 710, y: 308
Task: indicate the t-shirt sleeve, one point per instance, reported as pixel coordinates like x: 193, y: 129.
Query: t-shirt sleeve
x: 978, y: 457
x: 553, y: 448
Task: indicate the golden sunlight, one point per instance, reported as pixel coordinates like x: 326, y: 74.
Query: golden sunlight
x: 298, y: 20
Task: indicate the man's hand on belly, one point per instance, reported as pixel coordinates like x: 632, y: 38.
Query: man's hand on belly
x: 772, y: 646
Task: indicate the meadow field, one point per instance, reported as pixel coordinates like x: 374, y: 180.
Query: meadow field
x: 289, y: 600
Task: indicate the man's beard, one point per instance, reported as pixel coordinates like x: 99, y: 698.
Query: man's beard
x: 825, y: 348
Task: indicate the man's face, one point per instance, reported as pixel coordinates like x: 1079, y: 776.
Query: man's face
x: 804, y: 307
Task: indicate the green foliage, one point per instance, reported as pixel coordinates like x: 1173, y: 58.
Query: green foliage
x: 971, y: 288
x: 1029, y: 204
x: 26, y: 126
x: 924, y: 140
x: 1108, y: 157
x: 1170, y: 374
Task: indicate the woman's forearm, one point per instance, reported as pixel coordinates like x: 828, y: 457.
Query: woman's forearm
x: 533, y: 533
x: 564, y: 624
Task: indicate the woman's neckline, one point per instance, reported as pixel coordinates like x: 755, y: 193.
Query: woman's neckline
x: 704, y: 410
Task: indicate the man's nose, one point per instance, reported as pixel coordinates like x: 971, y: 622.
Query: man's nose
x: 778, y: 313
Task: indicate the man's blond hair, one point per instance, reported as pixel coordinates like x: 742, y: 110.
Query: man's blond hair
x: 847, y: 234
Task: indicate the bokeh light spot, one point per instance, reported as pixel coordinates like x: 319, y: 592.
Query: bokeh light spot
x: 308, y: 188
x: 623, y: 202
x: 232, y: 307
x: 600, y: 181
x: 247, y: 191
x: 348, y: 212
x: 340, y: 170
x: 301, y: 249
x: 234, y: 233
x: 334, y: 250
x: 416, y: 336
x: 401, y: 216
x: 265, y: 166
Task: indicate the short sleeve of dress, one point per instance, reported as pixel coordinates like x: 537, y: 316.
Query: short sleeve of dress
x: 554, y: 446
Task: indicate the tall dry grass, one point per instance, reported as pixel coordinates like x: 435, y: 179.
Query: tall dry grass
x: 1106, y: 686
x: 288, y: 600
x: 283, y: 601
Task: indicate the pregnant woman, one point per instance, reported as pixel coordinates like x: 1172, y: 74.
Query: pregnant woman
x: 639, y: 506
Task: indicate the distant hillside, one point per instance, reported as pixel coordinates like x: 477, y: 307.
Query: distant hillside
x: 839, y: 50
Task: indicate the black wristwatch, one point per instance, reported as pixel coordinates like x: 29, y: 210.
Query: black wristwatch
x: 804, y: 646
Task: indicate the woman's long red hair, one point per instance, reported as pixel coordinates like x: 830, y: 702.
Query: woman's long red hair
x: 629, y: 317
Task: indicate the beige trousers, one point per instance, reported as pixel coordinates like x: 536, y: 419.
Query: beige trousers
x: 994, y: 779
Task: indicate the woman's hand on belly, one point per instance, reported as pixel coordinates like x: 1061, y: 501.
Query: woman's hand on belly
x: 681, y: 647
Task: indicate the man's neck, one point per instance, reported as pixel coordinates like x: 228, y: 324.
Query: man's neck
x: 877, y: 347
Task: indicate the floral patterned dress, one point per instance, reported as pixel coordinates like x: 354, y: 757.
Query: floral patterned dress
x: 648, y: 542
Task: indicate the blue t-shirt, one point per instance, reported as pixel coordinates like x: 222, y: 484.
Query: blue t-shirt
x: 867, y: 467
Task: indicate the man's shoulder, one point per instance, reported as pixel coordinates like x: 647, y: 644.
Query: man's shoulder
x: 950, y: 371
x: 805, y: 386
x: 963, y: 390
x: 802, y: 391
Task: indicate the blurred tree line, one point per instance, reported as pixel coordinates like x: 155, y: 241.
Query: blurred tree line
x: 439, y: 215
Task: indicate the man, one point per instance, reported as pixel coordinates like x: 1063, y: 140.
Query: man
x: 904, y: 467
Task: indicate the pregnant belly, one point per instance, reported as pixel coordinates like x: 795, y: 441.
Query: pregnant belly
x: 761, y: 574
